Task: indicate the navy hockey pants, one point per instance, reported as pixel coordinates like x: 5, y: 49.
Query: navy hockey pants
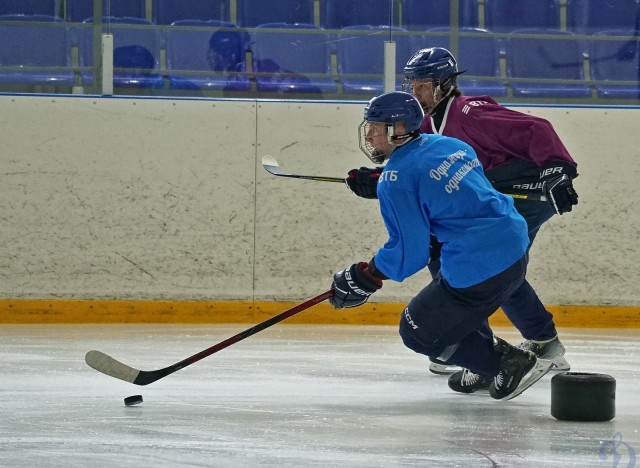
x: 444, y: 322
x: 523, y: 308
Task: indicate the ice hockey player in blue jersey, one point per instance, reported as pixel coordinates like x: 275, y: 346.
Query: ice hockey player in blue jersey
x: 432, y: 184
x: 519, y: 152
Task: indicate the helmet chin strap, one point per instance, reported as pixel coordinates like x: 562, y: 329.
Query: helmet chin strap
x: 437, y: 90
x: 378, y: 157
x: 400, y: 140
x: 396, y: 141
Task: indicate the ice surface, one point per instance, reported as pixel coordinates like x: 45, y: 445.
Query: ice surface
x: 291, y: 396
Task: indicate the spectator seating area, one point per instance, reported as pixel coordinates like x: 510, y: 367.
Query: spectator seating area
x: 136, y: 52
x: 79, y: 10
x: 292, y: 58
x: 215, y: 50
x: 498, y: 16
x: 549, y: 49
x: 45, y: 51
x: 532, y: 57
x: 359, y: 72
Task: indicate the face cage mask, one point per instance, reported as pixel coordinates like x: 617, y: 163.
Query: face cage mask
x: 407, y: 86
x: 378, y: 157
x: 443, y: 88
x: 367, y: 148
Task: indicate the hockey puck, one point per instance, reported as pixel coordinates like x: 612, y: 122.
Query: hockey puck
x: 133, y: 400
x: 579, y: 396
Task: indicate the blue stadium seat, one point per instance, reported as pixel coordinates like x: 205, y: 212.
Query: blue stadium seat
x: 207, y: 46
x: 508, y: 15
x: 589, y: 16
x: 418, y: 15
x: 360, y: 51
x: 478, y: 54
x: 169, y: 11
x: 251, y: 13
x: 79, y: 10
x: 540, y: 58
x: 616, y: 60
x: 31, y: 7
x: 37, y: 46
x: 136, y: 46
x: 338, y: 14
x: 292, y: 58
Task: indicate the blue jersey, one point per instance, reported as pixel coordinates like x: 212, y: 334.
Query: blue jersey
x: 436, y: 184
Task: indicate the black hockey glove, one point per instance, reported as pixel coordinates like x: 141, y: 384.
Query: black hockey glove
x: 557, y: 184
x: 353, y: 286
x: 364, y: 181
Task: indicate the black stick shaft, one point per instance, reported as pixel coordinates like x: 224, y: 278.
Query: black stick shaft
x: 533, y: 196
x: 113, y: 368
x: 272, y: 167
x: 145, y: 378
x: 316, y: 178
x: 251, y: 331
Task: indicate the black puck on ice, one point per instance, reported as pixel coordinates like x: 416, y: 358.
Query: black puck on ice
x: 133, y: 400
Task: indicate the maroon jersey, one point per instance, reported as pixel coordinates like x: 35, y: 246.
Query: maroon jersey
x: 497, y: 134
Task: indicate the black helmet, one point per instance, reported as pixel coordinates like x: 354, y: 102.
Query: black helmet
x: 389, y: 109
x: 435, y: 63
x: 393, y: 107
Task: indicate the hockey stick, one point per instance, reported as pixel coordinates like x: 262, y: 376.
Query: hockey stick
x: 113, y: 368
x: 272, y: 167
x: 526, y: 196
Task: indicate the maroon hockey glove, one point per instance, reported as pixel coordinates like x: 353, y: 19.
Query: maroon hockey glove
x: 353, y: 286
x: 557, y: 184
x: 364, y: 181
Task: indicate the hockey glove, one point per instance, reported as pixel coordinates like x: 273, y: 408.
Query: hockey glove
x: 353, y: 286
x: 364, y: 181
x: 557, y: 184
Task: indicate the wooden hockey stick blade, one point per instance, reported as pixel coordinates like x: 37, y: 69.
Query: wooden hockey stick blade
x: 109, y: 366
x: 272, y: 167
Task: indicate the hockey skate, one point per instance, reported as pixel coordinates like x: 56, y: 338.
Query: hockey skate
x: 436, y: 366
x: 519, y: 369
x: 465, y: 381
x: 550, y: 350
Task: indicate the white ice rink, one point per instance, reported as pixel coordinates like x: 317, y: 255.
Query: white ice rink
x: 292, y: 396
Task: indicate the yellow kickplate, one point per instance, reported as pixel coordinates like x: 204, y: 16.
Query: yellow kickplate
x: 43, y: 311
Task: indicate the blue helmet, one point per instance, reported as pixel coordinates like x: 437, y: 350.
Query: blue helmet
x: 394, y: 107
x: 435, y: 63
x: 390, y: 109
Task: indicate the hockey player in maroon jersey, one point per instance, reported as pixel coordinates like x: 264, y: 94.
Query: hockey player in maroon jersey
x: 519, y: 153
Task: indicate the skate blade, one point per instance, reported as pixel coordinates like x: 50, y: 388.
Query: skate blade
x: 440, y: 369
x: 536, y: 373
x: 560, y: 364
